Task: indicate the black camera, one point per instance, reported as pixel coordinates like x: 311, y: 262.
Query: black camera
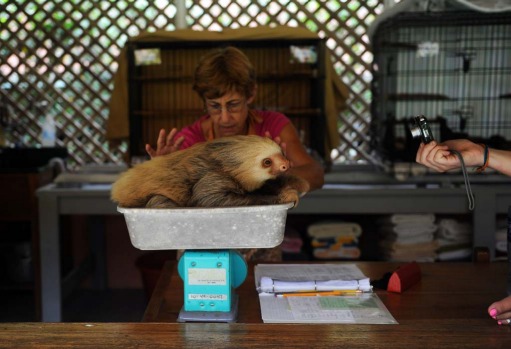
x: 420, y: 129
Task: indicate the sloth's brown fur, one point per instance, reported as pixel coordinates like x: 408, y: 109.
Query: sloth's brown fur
x: 230, y: 171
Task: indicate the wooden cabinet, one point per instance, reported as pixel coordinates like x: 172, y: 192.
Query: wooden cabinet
x: 290, y: 76
x: 19, y: 233
x: 18, y: 201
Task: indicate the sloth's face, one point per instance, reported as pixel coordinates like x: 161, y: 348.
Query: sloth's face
x: 276, y: 164
x: 268, y: 164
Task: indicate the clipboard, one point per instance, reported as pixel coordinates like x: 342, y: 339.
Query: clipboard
x: 361, y: 308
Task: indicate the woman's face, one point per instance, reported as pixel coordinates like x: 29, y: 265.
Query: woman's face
x: 229, y: 114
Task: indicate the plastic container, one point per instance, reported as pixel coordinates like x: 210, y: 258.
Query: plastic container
x: 206, y: 228
x: 49, y: 132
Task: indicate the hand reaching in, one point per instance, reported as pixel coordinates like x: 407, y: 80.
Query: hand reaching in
x: 166, y: 144
x: 278, y: 141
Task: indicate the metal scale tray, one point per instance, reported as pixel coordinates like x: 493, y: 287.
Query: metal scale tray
x: 206, y: 228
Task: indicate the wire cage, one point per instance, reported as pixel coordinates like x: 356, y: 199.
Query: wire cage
x: 453, y: 67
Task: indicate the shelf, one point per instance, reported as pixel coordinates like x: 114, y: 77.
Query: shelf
x: 168, y: 113
x: 177, y: 113
x: 307, y: 112
x: 455, y: 71
x: 168, y: 78
x: 296, y: 74
x: 414, y: 97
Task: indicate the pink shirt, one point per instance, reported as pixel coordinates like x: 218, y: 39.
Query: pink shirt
x: 270, y: 121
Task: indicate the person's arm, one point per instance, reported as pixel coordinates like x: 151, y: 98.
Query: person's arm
x: 165, y: 144
x: 302, y: 164
x: 440, y: 158
x: 500, y: 160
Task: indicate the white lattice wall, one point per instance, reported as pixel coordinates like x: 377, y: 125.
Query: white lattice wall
x: 59, y: 57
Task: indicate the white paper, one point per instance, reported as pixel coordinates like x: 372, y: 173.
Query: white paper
x: 305, y: 272
x: 363, y: 308
x: 269, y: 285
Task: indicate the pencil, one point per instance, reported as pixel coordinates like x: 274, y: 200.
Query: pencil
x: 320, y: 293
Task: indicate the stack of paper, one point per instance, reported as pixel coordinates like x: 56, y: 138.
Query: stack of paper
x: 318, y: 293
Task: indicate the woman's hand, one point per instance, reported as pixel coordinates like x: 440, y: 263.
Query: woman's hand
x: 301, y: 163
x: 440, y: 157
x: 166, y: 144
x: 278, y: 141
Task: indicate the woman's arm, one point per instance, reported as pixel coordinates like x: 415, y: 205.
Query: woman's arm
x: 440, y: 158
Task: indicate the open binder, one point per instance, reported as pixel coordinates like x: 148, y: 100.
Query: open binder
x: 318, y: 293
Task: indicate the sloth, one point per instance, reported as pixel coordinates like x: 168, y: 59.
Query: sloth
x: 226, y: 172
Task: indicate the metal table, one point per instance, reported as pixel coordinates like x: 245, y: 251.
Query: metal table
x: 94, y: 200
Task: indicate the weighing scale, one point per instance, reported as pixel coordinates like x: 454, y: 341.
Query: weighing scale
x: 210, y: 267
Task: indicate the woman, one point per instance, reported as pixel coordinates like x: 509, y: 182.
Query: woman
x: 440, y: 158
x: 226, y: 82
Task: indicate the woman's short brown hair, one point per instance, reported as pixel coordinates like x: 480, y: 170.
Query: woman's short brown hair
x: 224, y: 70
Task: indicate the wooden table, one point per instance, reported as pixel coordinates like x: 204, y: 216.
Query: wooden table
x: 447, y: 291
x: 447, y: 309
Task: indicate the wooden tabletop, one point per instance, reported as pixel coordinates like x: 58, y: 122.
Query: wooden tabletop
x: 466, y: 334
x: 446, y: 291
x: 446, y: 309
